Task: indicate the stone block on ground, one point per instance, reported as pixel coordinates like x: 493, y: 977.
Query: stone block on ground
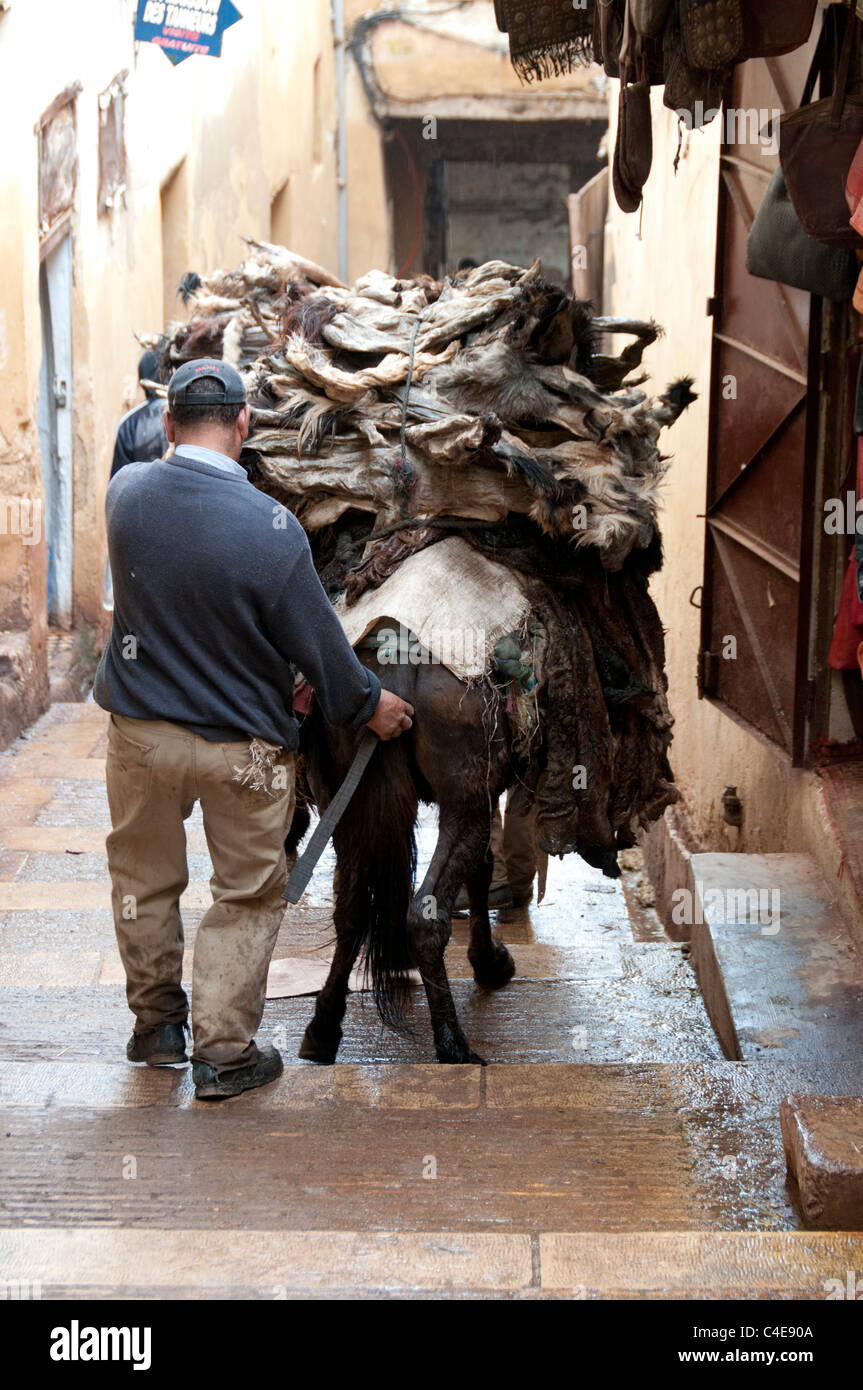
x: 823, y: 1138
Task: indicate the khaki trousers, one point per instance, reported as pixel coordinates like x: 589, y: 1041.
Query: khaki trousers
x: 513, y: 845
x: 156, y: 771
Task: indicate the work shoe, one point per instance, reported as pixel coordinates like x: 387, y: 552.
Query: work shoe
x: 210, y: 1086
x: 163, y: 1046
x: 497, y: 897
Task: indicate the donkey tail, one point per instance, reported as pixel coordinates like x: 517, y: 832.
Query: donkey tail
x: 375, y: 843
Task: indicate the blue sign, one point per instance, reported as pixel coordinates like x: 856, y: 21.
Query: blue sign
x: 185, y: 28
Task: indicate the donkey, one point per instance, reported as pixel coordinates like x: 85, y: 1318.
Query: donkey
x: 458, y: 755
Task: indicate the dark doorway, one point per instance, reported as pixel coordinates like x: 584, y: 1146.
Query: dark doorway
x: 486, y: 190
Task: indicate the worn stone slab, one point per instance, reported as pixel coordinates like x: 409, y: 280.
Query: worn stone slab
x: 49, y: 969
x: 787, y: 983
x: 54, y: 839
x: 25, y: 791
x: 118, y: 1086
x: 54, y: 764
x: 727, y: 1264
x: 77, y: 896
x: 528, y: 1021
x: 823, y: 1138
x: 98, y: 1086
x: 273, y: 1259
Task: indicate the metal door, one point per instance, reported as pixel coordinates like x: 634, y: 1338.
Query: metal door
x: 761, y: 453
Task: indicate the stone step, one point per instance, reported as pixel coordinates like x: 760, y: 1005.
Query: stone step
x: 286, y: 1264
x: 649, y: 1017
x: 570, y: 1180
x: 778, y: 968
x: 666, y: 1147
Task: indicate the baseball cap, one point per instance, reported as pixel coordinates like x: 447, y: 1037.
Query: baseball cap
x: 182, y: 387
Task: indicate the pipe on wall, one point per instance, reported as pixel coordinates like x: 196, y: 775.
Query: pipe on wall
x: 337, y: 14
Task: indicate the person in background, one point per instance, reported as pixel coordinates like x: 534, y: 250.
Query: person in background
x: 141, y: 436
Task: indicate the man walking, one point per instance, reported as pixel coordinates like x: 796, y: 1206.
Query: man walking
x: 140, y: 439
x: 216, y: 601
x: 141, y: 433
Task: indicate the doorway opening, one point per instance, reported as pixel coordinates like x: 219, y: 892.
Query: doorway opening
x: 451, y: 202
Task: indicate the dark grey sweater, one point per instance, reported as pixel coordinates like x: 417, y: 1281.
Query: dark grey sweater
x: 214, y: 582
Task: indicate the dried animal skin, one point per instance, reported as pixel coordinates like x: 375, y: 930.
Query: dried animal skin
x: 512, y: 425
x: 343, y: 385
x: 289, y: 265
x: 351, y: 335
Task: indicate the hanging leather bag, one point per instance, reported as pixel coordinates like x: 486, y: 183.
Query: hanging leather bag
x: 712, y: 32
x: 694, y: 94
x: 608, y: 35
x: 818, y: 143
x: 633, y: 153
x: 771, y: 29
x: 780, y: 249
x: 650, y: 16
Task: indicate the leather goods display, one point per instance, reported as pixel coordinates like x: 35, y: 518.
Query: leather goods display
x: 780, y: 249
x: 818, y: 145
x: 608, y: 35
x: 771, y: 29
x: 712, y: 32
x: 650, y: 17
x: 691, y: 92
x: 545, y: 39
x: 633, y: 151
x: 635, y: 135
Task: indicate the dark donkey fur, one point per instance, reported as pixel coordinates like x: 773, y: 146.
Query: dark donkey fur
x: 458, y: 755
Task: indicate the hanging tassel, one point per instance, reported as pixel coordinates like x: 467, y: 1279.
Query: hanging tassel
x: 257, y: 775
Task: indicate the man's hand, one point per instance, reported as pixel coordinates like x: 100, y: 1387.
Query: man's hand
x: 392, y: 716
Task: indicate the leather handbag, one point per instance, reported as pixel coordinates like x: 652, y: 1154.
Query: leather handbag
x: 692, y: 93
x: 771, y: 29
x: 608, y: 35
x: 650, y: 16
x: 818, y: 143
x: 780, y: 249
x: 633, y: 153
x: 712, y: 32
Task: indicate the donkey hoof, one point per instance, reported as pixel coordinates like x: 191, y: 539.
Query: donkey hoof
x: 323, y: 1050
x: 494, y: 970
x: 460, y: 1056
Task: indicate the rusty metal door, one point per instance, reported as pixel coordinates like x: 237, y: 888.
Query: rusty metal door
x: 755, y: 607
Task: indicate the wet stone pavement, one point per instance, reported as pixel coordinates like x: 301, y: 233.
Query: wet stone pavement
x: 608, y: 1150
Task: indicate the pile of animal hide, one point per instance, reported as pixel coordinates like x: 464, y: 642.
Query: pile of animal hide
x: 394, y: 413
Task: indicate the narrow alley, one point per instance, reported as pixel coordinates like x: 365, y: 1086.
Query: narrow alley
x: 607, y: 1151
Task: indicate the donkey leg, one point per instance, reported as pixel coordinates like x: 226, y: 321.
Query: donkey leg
x: 324, y: 1033
x: 493, y: 966
x: 459, y: 848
